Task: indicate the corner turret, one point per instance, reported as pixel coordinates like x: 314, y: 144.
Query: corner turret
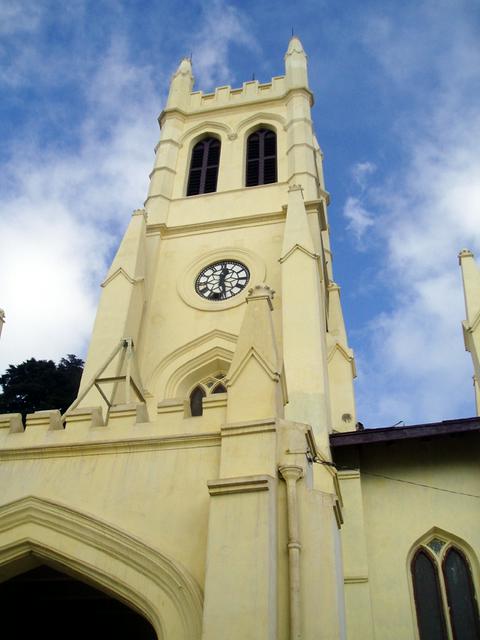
x: 296, y: 64
x: 181, y: 85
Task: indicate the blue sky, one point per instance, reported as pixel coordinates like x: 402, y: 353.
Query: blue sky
x: 397, y: 114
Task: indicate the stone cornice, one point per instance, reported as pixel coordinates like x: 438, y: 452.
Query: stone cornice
x: 349, y: 474
x: 103, y: 447
x: 244, y: 484
x: 265, y: 99
x: 213, y: 225
x: 248, y: 428
x: 165, y: 230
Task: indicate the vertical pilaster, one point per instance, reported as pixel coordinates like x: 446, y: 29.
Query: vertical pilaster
x: 304, y: 324
x: 355, y: 560
x: 242, y: 533
x: 341, y: 366
x: 241, y: 574
x: 301, y: 151
x: 120, y: 309
x: 164, y: 172
x: 163, y: 175
x: 471, y: 325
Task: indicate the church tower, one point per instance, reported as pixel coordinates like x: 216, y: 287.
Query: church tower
x: 218, y: 368
x: 236, y: 199
x: 220, y: 317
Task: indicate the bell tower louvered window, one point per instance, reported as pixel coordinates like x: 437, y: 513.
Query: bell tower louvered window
x: 204, y: 167
x: 261, y: 158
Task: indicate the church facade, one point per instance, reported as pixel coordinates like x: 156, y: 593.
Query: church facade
x: 211, y: 474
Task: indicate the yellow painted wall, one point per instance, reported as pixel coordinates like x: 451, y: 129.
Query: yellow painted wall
x: 387, y: 512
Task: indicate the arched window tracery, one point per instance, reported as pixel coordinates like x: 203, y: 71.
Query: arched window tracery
x: 209, y: 386
x: 444, y: 592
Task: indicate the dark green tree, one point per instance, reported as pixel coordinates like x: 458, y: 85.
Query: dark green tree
x: 36, y: 385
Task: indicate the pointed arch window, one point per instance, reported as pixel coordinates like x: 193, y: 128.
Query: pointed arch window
x: 204, y: 164
x: 445, y: 603
x: 209, y: 386
x: 261, y: 158
x: 196, y: 401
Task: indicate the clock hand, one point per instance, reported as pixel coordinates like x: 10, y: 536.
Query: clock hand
x: 221, y: 282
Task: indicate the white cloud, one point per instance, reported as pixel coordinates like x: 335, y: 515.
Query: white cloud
x: 359, y: 219
x: 361, y: 171
x: 65, y: 203
x: 17, y: 17
x: 412, y: 363
x: 63, y: 211
x: 223, y: 26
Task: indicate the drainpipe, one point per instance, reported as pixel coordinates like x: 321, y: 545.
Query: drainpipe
x: 291, y: 474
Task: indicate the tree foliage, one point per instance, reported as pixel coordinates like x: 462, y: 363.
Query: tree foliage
x: 36, y: 385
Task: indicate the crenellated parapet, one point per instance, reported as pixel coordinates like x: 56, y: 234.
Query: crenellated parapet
x: 181, y: 96
x: 251, y: 91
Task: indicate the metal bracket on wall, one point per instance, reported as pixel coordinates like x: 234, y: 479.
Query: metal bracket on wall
x: 125, y: 372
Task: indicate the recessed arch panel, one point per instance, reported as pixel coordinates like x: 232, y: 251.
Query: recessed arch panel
x: 104, y: 556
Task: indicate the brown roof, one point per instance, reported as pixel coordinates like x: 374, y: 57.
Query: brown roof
x: 388, y: 434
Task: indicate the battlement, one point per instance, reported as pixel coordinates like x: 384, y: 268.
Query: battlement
x: 182, y: 97
x: 132, y: 421
x: 251, y: 91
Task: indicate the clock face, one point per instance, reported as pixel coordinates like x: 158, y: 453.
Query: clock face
x: 222, y: 280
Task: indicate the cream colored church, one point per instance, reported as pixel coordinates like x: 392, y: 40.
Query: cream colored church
x: 211, y: 480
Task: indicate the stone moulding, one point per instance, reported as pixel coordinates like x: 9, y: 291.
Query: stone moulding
x: 244, y: 484
x: 120, y: 271
x: 108, y: 447
x: 268, y: 367
x: 174, y: 367
x: 205, y: 127
x: 355, y: 579
x: 257, y: 119
x: 251, y: 427
x: 123, y: 565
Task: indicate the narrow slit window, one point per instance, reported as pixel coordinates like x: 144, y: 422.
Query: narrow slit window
x: 261, y: 158
x: 196, y: 401
x: 204, y: 165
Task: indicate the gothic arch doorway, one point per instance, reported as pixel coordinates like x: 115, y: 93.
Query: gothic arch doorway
x: 35, y: 531
x: 48, y: 603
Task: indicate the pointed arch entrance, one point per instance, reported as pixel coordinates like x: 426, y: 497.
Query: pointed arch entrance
x: 49, y: 603
x: 35, y: 532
